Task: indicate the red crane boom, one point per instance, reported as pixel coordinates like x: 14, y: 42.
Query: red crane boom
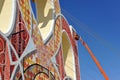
x: 77, y: 37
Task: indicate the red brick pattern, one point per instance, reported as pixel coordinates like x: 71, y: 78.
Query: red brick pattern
x: 4, y: 60
x: 25, y: 10
x: 59, y: 59
x: 57, y: 33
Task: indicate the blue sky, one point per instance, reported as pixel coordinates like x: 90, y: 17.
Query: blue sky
x: 98, y: 22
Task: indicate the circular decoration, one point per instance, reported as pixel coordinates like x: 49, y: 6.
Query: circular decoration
x: 37, y: 72
x: 42, y: 76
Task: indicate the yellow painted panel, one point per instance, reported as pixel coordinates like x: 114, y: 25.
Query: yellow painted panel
x: 45, y: 16
x: 5, y: 15
x: 68, y: 55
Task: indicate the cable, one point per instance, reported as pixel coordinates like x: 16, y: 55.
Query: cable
x: 95, y: 36
x: 88, y: 76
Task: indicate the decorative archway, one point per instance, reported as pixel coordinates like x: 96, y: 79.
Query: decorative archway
x: 68, y: 57
x: 45, y: 15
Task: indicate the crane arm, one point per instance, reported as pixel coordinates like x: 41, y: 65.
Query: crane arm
x: 77, y: 37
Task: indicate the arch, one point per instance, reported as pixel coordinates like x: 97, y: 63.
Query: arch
x: 45, y: 17
x: 68, y: 56
x: 7, y: 15
x: 39, y: 69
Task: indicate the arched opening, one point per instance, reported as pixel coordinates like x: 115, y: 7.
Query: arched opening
x: 45, y: 17
x: 68, y: 56
x: 5, y: 15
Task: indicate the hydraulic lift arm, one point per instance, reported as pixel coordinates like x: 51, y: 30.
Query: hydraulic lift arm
x: 77, y: 37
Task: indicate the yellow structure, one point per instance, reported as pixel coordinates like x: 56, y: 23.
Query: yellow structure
x: 6, y: 10
x: 68, y: 56
x: 36, y: 45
